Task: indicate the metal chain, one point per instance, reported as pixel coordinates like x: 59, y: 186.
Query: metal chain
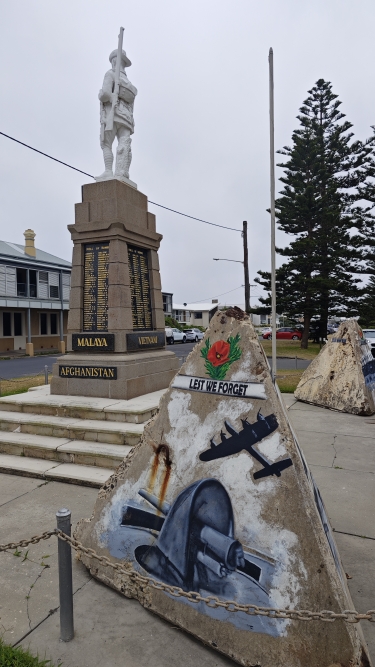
x: 348, y: 615
x: 24, y: 543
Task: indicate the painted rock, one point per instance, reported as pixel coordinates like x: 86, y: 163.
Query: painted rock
x: 342, y: 376
x: 217, y: 507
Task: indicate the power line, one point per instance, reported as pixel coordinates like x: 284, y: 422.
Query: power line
x: 214, y: 224
x: 215, y: 297
x: 233, y: 229
x: 46, y: 155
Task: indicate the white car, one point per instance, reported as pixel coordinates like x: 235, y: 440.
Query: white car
x: 369, y: 334
x: 194, y: 334
x: 173, y: 335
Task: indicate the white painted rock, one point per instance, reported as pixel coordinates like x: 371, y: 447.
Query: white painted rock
x: 342, y: 376
x: 218, y: 500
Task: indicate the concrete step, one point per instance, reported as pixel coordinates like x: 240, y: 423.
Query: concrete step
x: 54, y: 471
x: 40, y: 401
x: 93, y: 430
x: 62, y: 450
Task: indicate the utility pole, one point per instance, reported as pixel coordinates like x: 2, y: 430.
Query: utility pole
x: 246, y: 267
x: 272, y: 192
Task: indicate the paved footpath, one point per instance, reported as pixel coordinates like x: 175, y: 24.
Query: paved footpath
x: 112, y: 631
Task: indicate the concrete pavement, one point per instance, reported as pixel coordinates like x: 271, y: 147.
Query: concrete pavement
x: 113, y: 631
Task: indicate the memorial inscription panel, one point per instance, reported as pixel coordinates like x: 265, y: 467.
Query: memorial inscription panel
x: 95, y: 289
x: 140, y: 288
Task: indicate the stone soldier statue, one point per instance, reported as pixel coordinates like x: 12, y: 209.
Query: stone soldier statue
x: 116, y: 115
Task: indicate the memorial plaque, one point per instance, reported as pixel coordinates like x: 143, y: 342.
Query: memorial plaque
x: 97, y: 372
x: 146, y: 340
x: 95, y: 291
x: 103, y: 342
x: 140, y: 288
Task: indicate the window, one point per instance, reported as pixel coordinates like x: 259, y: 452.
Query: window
x: 43, y: 324
x: 18, y: 324
x: 167, y: 303
x: 33, y: 284
x: 7, y: 326
x: 53, y: 285
x: 197, y: 316
x: 21, y: 282
x: 53, y: 321
x: 43, y: 284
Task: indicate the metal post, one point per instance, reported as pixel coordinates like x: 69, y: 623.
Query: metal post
x: 29, y: 325
x: 45, y: 374
x: 63, y: 517
x: 272, y: 191
x: 246, y: 267
x: 62, y: 307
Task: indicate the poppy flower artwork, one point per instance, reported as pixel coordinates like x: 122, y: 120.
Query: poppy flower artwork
x: 220, y: 356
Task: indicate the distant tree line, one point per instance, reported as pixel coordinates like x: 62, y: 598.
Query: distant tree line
x: 327, y: 206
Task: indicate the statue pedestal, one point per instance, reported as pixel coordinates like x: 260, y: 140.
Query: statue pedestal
x: 116, y: 330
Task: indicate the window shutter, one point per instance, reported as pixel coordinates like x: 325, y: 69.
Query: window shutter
x: 2, y: 280
x: 11, y: 281
x: 43, y: 285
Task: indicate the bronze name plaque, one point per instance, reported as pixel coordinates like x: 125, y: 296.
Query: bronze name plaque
x: 145, y: 340
x: 140, y: 288
x: 97, y: 372
x: 98, y: 342
x: 95, y: 287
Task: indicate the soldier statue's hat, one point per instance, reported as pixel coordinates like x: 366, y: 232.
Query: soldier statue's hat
x: 124, y: 58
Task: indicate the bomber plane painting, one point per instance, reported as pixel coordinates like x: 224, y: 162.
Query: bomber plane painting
x: 245, y: 440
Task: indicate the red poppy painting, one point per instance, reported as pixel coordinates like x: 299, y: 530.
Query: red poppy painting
x: 220, y: 356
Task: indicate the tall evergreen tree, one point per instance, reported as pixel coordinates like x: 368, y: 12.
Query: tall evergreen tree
x: 319, y: 206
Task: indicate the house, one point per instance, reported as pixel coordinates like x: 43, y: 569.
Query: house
x: 195, y: 314
x: 34, y: 298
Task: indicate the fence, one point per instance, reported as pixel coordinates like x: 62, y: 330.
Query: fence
x: 24, y: 380
x: 66, y: 543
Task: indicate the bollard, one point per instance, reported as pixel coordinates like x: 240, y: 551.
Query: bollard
x: 63, y: 517
x: 45, y: 374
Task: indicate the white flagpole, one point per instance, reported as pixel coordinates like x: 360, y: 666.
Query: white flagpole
x: 272, y: 188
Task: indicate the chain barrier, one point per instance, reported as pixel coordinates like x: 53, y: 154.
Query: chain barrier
x: 348, y: 615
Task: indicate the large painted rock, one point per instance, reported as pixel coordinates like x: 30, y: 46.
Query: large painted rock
x: 342, y: 376
x: 217, y: 500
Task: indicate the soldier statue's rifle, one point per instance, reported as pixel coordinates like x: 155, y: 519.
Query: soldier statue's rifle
x: 111, y: 115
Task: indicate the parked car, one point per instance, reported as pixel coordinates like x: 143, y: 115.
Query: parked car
x: 266, y: 330
x: 285, y: 333
x: 193, y: 334
x: 369, y: 334
x: 173, y: 335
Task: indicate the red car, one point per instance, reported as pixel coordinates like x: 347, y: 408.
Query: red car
x: 286, y: 333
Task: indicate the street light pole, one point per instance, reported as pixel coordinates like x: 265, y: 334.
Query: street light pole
x: 272, y: 192
x: 246, y: 267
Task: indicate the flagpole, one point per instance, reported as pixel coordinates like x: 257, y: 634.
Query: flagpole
x: 272, y: 189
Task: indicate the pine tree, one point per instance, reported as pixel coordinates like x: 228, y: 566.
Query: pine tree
x: 319, y: 206
x: 367, y: 305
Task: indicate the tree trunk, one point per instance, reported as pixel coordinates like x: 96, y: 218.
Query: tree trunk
x: 306, y: 330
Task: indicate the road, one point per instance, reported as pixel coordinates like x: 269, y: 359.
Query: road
x: 20, y: 366
x: 15, y: 368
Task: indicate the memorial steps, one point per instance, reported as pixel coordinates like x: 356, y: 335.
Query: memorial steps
x: 73, y: 439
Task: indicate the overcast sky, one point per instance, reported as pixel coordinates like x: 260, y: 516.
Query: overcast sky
x: 201, y: 141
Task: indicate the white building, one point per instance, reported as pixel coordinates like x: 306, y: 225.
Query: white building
x: 195, y: 314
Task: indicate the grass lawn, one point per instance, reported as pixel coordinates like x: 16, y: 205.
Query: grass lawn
x: 287, y: 380
x: 291, y: 348
x: 19, y: 386
x: 18, y: 657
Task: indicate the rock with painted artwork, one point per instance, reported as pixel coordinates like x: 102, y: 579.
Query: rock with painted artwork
x: 342, y: 376
x: 218, y: 507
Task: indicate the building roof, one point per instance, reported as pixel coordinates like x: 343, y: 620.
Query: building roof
x: 196, y: 306
x: 17, y: 251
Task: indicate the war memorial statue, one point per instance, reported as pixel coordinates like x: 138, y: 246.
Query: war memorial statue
x: 116, y: 328
x: 117, y: 97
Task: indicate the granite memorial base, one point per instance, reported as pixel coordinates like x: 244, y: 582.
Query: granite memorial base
x: 119, y: 376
